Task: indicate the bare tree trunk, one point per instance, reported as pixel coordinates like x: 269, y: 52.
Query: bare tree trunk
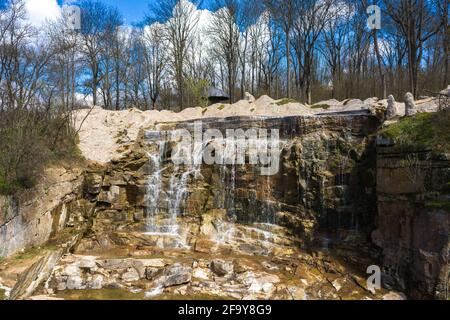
x: 446, y: 44
x: 379, y: 61
x: 288, y: 64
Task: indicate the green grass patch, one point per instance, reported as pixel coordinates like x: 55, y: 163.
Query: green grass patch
x: 286, y: 101
x: 438, y: 205
x: 320, y: 106
x: 221, y: 107
x: 2, y: 294
x: 424, y: 130
x: 33, y: 252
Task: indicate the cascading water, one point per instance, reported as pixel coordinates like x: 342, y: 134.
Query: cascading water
x: 154, y: 188
x: 168, y: 192
x: 164, y: 222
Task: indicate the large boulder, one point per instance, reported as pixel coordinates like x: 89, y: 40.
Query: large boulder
x: 175, y: 275
x: 33, y: 277
x: 93, y: 183
x: 221, y: 267
x: 249, y: 97
x: 391, y: 110
x: 410, y: 105
x: 130, y: 275
x: 74, y: 283
x: 446, y: 92
x: 110, y: 196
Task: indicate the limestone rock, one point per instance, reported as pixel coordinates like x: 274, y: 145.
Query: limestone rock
x: 71, y: 270
x: 394, y: 296
x: 97, y: 282
x: 88, y: 262
x: 391, y: 110
x: 337, y: 284
x: 202, y: 273
x: 155, y: 263
x: 205, y: 246
x: 240, y: 266
x: 60, y: 283
x: 93, y: 183
x: 258, y: 282
x: 221, y: 267
x: 249, y: 97
x: 152, y: 272
x: 446, y: 92
x: 130, y: 275
x: 35, y: 275
x: 410, y: 105
x: 115, y: 264
x: 74, y: 283
x: 111, y: 196
x: 297, y: 293
x: 175, y: 275
x: 138, y: 214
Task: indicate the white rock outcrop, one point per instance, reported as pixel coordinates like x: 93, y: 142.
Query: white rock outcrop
x: 410, y: 105
x: 391, y: 110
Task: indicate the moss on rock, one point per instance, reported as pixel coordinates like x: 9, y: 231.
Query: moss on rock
x: 422, y: 131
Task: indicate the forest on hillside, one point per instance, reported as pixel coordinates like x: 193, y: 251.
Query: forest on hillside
x: 309, y: 50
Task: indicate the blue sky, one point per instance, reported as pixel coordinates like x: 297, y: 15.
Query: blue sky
x: 133, y: 11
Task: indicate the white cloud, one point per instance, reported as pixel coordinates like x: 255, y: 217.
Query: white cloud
x: 40, y: 11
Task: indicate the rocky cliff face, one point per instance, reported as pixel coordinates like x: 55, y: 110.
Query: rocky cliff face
x: 333, y: 187
x: 414, y: 219
x: 31, y: 218
x: 325, y: 183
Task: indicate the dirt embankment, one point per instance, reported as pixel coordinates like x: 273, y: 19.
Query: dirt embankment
x: 103, y: 133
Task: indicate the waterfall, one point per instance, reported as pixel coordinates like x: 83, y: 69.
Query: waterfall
x: 154, y: 186
x: 177, y: 190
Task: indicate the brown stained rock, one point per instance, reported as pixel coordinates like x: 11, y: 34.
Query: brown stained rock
x: 413, y: 231
x: 93, y: 183
x: 110, y: 196
x: 221, y: 267
x: 205, y: 246
x: 136, y: 165
x: 115, y: 264
x: 138, y: 214
x: 135, y: 195
x: 240, y: 266
x: 151, y: 272
x: 174, y: 275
